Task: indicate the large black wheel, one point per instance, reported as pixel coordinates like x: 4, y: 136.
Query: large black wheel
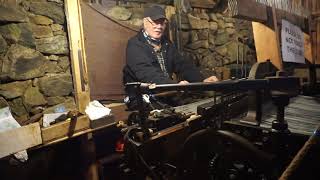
x: 222, y: 155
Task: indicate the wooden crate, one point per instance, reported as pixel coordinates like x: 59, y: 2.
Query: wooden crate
x: 64, y: 129
x: 19, y: 139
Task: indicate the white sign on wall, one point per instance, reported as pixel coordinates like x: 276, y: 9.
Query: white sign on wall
x: 292, y: 43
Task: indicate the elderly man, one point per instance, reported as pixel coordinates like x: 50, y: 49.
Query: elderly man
x: 152, y: 58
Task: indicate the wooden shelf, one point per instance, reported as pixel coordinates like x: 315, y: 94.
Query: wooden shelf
x: 79, y: 133
x: 64, y: 129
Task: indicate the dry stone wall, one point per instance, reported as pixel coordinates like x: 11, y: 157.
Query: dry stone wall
x: 35, y: 72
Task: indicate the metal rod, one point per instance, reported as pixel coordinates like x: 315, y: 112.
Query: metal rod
x: 246, y: 62
x: 242, y: 61
x: 237, y: 68
x: 222, y: 86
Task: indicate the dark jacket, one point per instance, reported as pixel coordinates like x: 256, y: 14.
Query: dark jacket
x: 142, y: 64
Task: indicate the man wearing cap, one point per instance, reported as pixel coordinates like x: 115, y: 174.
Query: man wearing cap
x: 152, y: 58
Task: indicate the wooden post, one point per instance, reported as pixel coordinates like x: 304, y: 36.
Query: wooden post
x: 77, y: 54
x: 318, y: 43
x: 80, y: 80
x: 19, y: 139
x: 170, y: 11
x: 276, y: 30
x: 89, y: 157
x: 248, y: 10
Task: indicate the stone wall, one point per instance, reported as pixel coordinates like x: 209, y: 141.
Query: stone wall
x: 35, y: 71
x: 215, y: 42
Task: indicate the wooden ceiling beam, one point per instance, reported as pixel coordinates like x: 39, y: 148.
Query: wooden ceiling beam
x: 253, y: 11
x: 203, y: 3
x: 249, y: 10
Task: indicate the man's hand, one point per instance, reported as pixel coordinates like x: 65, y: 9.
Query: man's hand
x: 211, y: 79
x: 184, y: 82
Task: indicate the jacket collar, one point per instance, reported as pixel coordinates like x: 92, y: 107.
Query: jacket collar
x: 141, y: 38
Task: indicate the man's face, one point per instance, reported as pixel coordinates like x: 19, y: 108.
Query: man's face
x: 155, y: 28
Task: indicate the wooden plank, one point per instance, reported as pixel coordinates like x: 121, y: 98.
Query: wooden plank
x: 203, y: 3
x: 19, y: 139
x: 83, y: 100
x: 170, y: 11
x: 314, y: 46
x: 253, y: 11
x: 292, y: 18
x: 9, y: 3
x: 76, y: 134
x: 316, y: 14
x: 312, y: 39
x: 248, y: 10
x: 308, y: 48
x: 316, y: 6
x: 64, y: 129
x: 266, y: 44
x: 317, y: 48
x: 77, y: 53
x: 276, y: 30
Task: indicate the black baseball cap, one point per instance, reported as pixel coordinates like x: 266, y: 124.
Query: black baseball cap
x: 155, y: 12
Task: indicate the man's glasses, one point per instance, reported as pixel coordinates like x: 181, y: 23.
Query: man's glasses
x: 161, y: 21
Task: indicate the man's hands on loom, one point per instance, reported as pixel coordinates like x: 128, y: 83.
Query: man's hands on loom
x: 211, y: 79
x: 207, y: 80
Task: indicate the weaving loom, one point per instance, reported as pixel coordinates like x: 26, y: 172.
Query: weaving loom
x: 302, y: 115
